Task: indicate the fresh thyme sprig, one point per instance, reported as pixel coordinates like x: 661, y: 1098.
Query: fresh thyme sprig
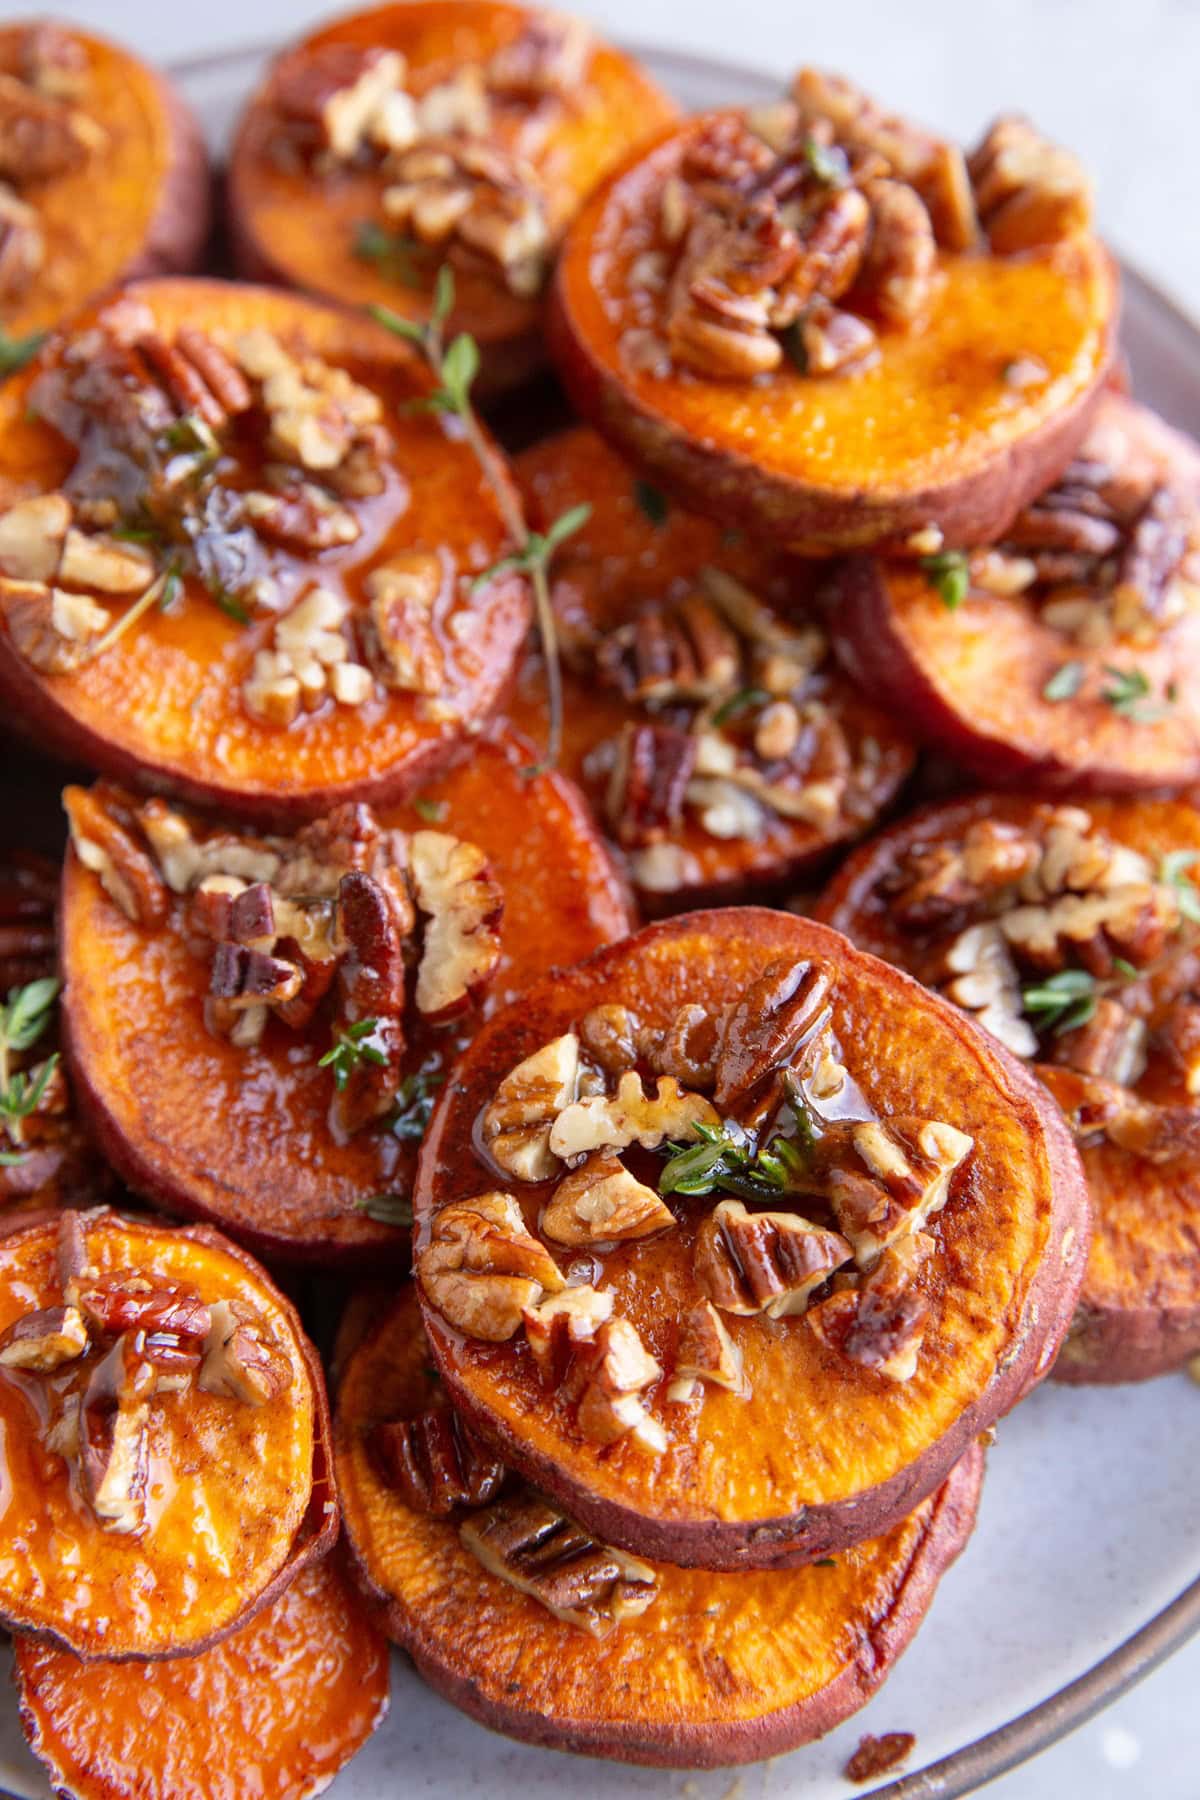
x: 1062, y: 1001
x: 163, y: 591
x: 454, y: 366
x: 15, y: 352
x: 22, y: 1021
x: 414, y: 1102
x: 949, y: 572
x: 350, y: 1049
x: 726, y: 1160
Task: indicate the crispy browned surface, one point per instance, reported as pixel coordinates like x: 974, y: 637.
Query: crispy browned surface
x: 138, y: 206
x: 240, y: 1136
x: 720, y: 1669
x: 279, y: 1706
x: 971, y: 681
x: 1139, y: 1306
x: 164, y: 709
x: 824, y: 1455
x: 242, y: 1497
x: 930, y: 435
x: 611, y: 571
x: 273, y: 208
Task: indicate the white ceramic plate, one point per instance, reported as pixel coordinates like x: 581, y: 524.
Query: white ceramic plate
x: 1085, y: 1567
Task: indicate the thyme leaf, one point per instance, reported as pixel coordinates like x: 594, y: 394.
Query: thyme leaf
x: 949, y: 573
x: 1062, y: 1001
x: 386, y: 1209
x: 23, y: 1019
x: 350, y: 1049
x: 1065, y: 682
x: 15, y: 352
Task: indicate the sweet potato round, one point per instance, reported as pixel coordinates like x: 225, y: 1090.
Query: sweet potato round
x: 615, y: 568
x: 824, y: 1454
x: 242, y: 1496
x: 180, y: 1112
x: 138, y: 206
x: 1138, y: 1313
x: 163, y: 707
x: 931, y: 435
x: 292, y: 226
x: 278, y: 1707
x: 720, y: 1669
x: 971, y: 682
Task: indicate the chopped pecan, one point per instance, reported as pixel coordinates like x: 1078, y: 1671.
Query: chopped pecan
x: 1131, y: 921
x: 935, y: 881
x: 53, y: 61
x: 483, y: 195
x: 371, y: 976
x: 436, y: 1465
x: 22, y: 244
x: 481, y: 1268
x: 341, y: 98
x: 1093, y: 1107
x: 517, y: 1122
x: 881, y: 1323
x: 547, y: 57
x: 538, y: 1550
x: 105, y: 845
x: 681, y: 652
x: 705, y: 1352
x: 244, y: 978
x: 239, y: 1361
x: 982, y: 978
x: 688, y: 1047
x: 604, y: 1122
x: 1029, y: 192
x: 317, y: 414
x: 40, y: 136
x: 32, y: 535
x: 555, y: 1328
x: 772, y: 1023
x: 54, y: 631
x: 607, y: 1379
x: 876, y: 1756
x: 648, y: 786
x: 301, y: 517
x: 401, y: 641
x: 764, y: 1262
x: 1111, y: 1044
x: 44, y: 1341
x: 1178, y: 1032
x: 454, y: 888
x: 125, y: 1301
x: 185, y: 860
x: 114, y: 1452
x: 909, y: 1166
x: 613, y: 1036
x: 898, y: 268
x: 1155, y: 548
x: 832, y: 341
x: 601, y: 1202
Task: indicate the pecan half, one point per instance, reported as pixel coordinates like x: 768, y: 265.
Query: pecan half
x: 1028, y: 191
x: 105, y: 845
x: 44, y: 1341
x: 40, y: 136
x: 778, y: 1016
x: 649, y: 782
x: 371, y: 977
x: 764, y: 1262
x: 436, y: 1465
x: 401, y: 642
x: 481, y: 1268
x: 454, y: 888
x: 239, y: 1360
x: 540, y: 1551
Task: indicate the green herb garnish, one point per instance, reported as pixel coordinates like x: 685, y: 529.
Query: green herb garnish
x: 432, y: 811
x: 397, y: 258
x: 15, y: 352
x: 949, y: 572
x: 826, y: 162
x: 1174, y: 871
x: 654, y: 504
x: 743, y: 701
x: 414, y: 1102
x: 386, y: 1209
x: 1128, y: 693
x: 1065, y: 682
x: 23, y: 1019
x: 351, y: 1048
x: 726, y: 1161
x: 1062, y: 1001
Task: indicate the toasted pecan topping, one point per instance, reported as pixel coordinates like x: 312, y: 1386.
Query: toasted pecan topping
x: 607, y: 1379
x: 612, y: 1122
x: 601, y: 1202
x: 482, y: 1268
x: 556, y: 1327
x: 436, y: 1465
x: 880, y: 1323
x: 517, y: 1122
x: 705, y: 1353
x: 535, y: 1548
x: 764, y: 1261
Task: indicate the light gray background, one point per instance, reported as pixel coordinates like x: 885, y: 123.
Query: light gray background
x: 1117, y: 82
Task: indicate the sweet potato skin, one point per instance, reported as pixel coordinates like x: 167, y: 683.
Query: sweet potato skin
x: 290, y: 1696
x: 1138, y: 1313
x: 140, y: 206
x: 163, y: 710
x: 318, y: 1524
x: 971, y: 682
x: 746, y: 1493
x: 270, y: 207
x: 603, y: 575
x: 758, y: 457
x: 721, y: 1669
x: 180, y: 1114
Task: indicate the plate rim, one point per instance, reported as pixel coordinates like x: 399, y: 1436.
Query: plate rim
x: 983, y: 1759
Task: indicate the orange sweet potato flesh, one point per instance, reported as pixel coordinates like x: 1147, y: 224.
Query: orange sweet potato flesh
x: 1139, y: 1306
x: 720, y: 1669
x: 240, y: 1137
x: 239, y: 1498
x: 972, y: 681
x: 276, y: 1708
x: 605, y: 575
x: 140, y: 203
x: 292, y: 226
x: 823, y: 1454
x: 932, y: 434
x: 164, y: 708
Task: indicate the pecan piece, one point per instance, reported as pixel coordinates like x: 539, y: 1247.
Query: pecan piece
x: 239, y: 1362
x: 44, y: 1341
x: 604, y: 1122
x: 601, y: 1202
x: 607, y: 1379
x: 539, y: 1551
x: 22, y: 245
x: 935, y: 881
x: 454, y: 888
x: 881, y: 1323
x: 646, y: 793
x: 612, y: 1036
x: 436, y: 1465
x: 371, y: 976
x: 40, y: 137
x: 834, y: 341
x: 555, y: 1328
x: 764, y: 1262
x: 1155, y: 548
x: 54, y: 631
x: 909, y: 1166
x: 517, y: 1122
x: 705, y: 1352
x: 777, y: 1017
x: 1028, y: 191
x: 400, y: 637
x: 548, y: 57
x: 124, y: 1301
x: 900, y: 263
x: 984, y: 981
x: 114, y: 1453
x: 1111, y: 1044
x: 32, y: 535
x: 104, y: 844
x: 481, y: 1268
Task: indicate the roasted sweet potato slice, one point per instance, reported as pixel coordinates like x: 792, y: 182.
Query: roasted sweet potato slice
x: 233, y: 479
x: 807, y: 320
x: 254, y: 1135
x: 103, y: 174
x: 165, y: 1432
x: 397, y: 138
x: 1070, y: 932
x: 874, y: 1233
x: 710, y: 729
x: 715, y: 1669
x: 1071, y: 663
x: 278, y: 1707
